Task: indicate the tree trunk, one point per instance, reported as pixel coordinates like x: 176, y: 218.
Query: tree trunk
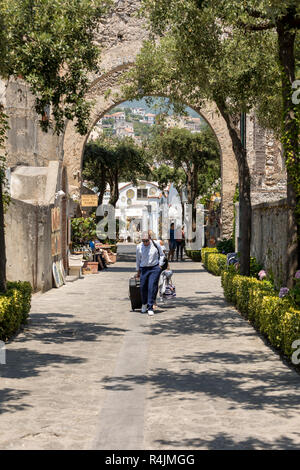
x: 244, y: 189
x: 286, y: 43
x: 2, y: 244
x: 292, y: 235
x: 102, y: 187
x: 114, y: 189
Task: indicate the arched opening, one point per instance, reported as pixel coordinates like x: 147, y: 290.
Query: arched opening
x: 181, y: 185
x: 104, y: 101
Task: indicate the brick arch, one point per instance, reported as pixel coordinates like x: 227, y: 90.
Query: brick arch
x: 106, y: 93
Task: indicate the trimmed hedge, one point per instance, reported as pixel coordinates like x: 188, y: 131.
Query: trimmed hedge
x: 14, y: 308
x: 274, y: 317
x: 195, y: 255
x: 213, y: 260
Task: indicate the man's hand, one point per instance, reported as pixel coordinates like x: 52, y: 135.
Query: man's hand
x: 138, y: 275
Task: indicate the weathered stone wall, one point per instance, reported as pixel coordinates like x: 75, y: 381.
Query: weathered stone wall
x: 28, y: 244
x: 268, y: 174
x: 269, y: 238
x: 29, y: 230
x: 27, y: 144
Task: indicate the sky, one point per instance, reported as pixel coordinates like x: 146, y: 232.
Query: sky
x: 156, y: 101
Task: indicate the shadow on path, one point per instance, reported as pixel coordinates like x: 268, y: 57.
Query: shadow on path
x: 223, y: 441
x: 50, y: 328
x: 9, y: 399
x: 250, y: 390
x: 22, y: 363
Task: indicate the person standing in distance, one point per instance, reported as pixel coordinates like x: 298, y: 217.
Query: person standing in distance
x: 172, y: 243
x: 149, y: 259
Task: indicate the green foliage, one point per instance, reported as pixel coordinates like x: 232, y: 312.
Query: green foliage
x: 190, y: 161
x: 255, y: 267
x: 14, y: 308
x: 259, y: 302
x: 83, y: 229
x: 211, y: 185
x: 225, y: 246
x: 112, y: 160
x: 142, y: 130
x: 166, y: 174
x: 50, y: 44
x: 195, y: 255
x: 236, y: 195
x: 213, y: 260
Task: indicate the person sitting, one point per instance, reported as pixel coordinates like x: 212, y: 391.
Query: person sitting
x: 101, y: 261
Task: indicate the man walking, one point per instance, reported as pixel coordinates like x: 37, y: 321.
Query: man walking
x: 149, y: 259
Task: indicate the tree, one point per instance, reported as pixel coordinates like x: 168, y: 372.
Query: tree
x: 190, y: 155
x: 198, y: 59
x: 283, y: 18
x: 49, y: 43
x: 109, y: 161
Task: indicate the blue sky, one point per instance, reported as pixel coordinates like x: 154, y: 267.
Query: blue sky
x: 156, y: 101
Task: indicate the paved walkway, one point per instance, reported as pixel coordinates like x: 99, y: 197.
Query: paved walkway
x: 87, y: 373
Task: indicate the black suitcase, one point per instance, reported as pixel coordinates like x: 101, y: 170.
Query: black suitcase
x: 135, y: 293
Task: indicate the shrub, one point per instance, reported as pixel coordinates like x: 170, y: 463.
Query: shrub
x: 255, y: 267
x: 14, y: 308
x: 205, y: 252
x: 216, y: 263
x: 226, y: 246
x: 274, y: 317
x: 195, y: 255
x: 213, y: 260
x: 83, y: 229
x: 289, y: 330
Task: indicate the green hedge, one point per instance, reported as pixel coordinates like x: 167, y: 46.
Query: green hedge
x: 213, y: 260
x: 14, y: 308
x: 195, y: 255
x: 275, y: 317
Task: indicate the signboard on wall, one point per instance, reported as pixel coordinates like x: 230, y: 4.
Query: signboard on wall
x: 55, y: 219
x: 55, y: 243
x: 89, y: 200
x: 56, y: 234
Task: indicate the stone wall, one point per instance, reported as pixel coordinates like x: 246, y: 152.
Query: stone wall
x: 30, y: 233
x: 269, y: 238
x: 27, y: 144
x: 28, y: 244
x: 268, y: 174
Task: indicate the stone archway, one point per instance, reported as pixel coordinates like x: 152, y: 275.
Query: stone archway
x: 103, y: 101
x: 121, y: 37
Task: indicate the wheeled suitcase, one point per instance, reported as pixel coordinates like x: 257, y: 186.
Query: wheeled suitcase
x: 135, y: 293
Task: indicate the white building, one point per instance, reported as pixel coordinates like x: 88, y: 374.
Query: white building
x: 149, y: 119
x: 138, y: 209
x: 125, y: 130
x: 138, y: 111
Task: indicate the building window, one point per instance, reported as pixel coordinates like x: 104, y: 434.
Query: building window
x: 142, y: 193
